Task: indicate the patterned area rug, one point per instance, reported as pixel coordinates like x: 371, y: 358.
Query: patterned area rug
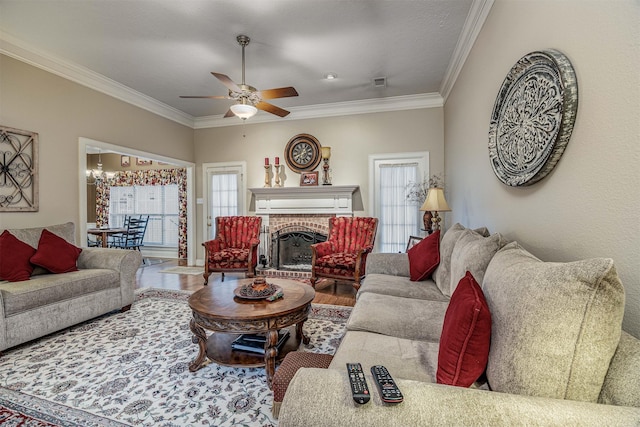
x: 132, y: 369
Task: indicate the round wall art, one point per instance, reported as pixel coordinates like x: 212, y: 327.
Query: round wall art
x: 533, y: 117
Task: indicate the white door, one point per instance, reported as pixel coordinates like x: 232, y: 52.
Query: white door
x: 225, y: 193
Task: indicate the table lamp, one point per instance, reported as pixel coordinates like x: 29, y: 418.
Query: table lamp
x: 435, y: 202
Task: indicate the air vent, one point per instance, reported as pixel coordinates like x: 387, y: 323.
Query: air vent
x: 380, y: 82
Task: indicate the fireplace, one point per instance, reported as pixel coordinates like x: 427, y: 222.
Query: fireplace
x: 294, y: 218
x: 291, y: 247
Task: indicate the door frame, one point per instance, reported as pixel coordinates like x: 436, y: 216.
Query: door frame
x: 83, y: 143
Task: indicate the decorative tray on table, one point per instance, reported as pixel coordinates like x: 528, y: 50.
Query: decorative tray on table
x: 259, y: 289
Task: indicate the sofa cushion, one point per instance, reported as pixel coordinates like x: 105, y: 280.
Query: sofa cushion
x: 14, y: 258
x: 442, y: 275
x: 400, y: 286
x: 47, y: 289
x: 466, y: 335
x: 411, y: 359
x: 472, y: 252
x: 399, y: 317
x: 424, y: 257
x: 56, y: 254
x: 555, y: 326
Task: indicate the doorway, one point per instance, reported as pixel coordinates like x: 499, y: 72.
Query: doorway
x: 86, y: 145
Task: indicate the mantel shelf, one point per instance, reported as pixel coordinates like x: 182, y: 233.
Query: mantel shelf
x: 331, y: 199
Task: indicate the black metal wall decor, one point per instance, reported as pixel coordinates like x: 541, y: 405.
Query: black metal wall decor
x: 533, y: 117
x: 18, y: 170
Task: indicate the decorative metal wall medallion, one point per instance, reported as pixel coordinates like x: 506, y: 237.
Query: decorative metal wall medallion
x: 18, y: 170
x: 533, y: 117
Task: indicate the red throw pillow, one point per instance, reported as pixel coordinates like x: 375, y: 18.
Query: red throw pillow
x: 466, y: 336
x: 56, y: 254
x: 424, y: 257
x: 14, y: 258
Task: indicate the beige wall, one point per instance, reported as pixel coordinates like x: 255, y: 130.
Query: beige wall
x: 61, y: 111
x: 589, y: 206
x: 351, y: 138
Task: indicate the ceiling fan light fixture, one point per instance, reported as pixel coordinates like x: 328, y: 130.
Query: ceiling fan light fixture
x: 244, y: 111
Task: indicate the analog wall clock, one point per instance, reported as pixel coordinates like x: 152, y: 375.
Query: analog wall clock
x: 302, y: 153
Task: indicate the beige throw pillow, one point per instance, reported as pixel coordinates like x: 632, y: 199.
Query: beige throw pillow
x: 442, y: 275
x: 555, y: 325
x: 472, y: 252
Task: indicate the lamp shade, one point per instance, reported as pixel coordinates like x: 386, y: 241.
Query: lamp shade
x: 435, y: 201
x: 326, y: 152
x: 244, y: 111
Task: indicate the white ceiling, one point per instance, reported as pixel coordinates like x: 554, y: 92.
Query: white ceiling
x: 153, y: 51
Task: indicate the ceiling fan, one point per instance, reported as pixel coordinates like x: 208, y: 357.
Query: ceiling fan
x: 249, y: 99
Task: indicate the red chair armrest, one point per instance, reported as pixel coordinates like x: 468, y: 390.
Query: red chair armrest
x: 322, y: 249
x: 212, y: 245
x: 254, y: 242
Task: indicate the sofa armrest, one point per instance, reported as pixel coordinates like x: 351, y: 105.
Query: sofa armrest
x: 622, y: 382
x: 125, y: 262
x: 388, y: 263
x: 322, y: 397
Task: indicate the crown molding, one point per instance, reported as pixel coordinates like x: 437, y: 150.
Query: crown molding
x: 376, y: 105
x: 473, y: 24
x: 19, y: 50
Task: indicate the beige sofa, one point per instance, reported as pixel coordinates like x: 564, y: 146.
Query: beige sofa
x: 47, y: 303
x: 557, y: 354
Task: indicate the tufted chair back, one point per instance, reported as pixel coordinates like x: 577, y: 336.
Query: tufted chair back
x: 348, y: 234
x: 237, y: 231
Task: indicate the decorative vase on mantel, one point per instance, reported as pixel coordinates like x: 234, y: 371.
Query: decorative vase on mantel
x: 426, y: 220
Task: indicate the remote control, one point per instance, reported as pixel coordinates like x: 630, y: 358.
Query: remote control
x: 389, y: 391
x: 359, y: 387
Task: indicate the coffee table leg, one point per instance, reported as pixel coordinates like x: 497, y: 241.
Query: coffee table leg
x: 200, y: 338
x: 270, y: 355
x: 300, y: 334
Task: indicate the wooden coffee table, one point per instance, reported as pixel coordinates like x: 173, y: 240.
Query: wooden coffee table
x: 216, y: 308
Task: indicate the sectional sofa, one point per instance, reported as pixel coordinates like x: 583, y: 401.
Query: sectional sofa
x: 99, y: 281
x: 556, y: 352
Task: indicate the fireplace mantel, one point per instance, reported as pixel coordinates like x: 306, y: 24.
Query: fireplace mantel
x: 327, y: 199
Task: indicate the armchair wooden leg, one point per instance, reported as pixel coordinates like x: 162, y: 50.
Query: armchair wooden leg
x: 206, y: 277
x: 313, y: 281
x: 223, y: 276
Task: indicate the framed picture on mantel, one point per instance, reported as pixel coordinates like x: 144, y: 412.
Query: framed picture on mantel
x: 308, y: 179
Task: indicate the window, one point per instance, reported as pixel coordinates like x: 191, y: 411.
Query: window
x: 160, y: 202
x: 398, y: 219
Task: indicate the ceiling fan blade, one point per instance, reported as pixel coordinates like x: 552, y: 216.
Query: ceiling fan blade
x: 229, y: 114
x: 225, y: 80
x: 281, y: 92
x: 209, y: 97
x: 270, y: 108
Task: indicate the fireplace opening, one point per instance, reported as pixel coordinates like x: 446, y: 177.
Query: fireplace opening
x: 291, y: 248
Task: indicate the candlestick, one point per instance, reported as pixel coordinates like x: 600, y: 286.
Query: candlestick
x: 266, y: 161
x: 267, y: 179
x: 277, y: 161
x: 277, y: 179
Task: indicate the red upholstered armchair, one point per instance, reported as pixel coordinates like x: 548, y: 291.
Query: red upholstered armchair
x: 235, y: 247
x: 344, y: 254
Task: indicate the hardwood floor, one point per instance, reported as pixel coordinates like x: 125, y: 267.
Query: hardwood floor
x: 149, y: 276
